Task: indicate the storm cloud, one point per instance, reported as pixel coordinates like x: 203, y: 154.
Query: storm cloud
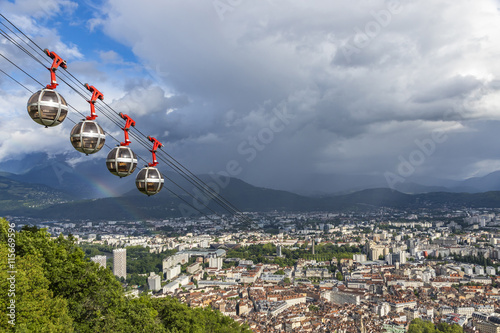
x: 360, y: 82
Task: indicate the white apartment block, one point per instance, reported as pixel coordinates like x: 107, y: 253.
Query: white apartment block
x: 101, y: 260
x: 172, y: 272
x: 120, y: 262
x: 154, y: 282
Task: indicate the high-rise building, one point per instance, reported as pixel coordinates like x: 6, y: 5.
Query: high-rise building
x: 172, y: 272
x: 214, y: 261
x: 178, y: 258
x: 468, y: 269
x: 490, y: 270
x: 359, y: 257
x: 154, y: 282
x: 120, y: 262
x: 402, y: 257
x: 278, y: 250
x: 101, y: 260
x: 376, y: 251
x: 393, y: 258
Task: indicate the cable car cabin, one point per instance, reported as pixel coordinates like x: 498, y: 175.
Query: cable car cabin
x: 87, y: 137
x: 47, y: 107
x: 149, y: 181
x: 121, y: 161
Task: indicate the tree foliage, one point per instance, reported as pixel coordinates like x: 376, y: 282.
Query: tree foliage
x: 144, y: 262
x: 178, y: 317
x: 59, y: 290
x: 35, y: 304
x: 263, y: 253
x: 420, y: 326
x: 472, y: 259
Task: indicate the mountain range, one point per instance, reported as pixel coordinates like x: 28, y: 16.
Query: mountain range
x: 136, y: 206
x: 319, y: 185
x: 55, y: 189
x: 93, y: 180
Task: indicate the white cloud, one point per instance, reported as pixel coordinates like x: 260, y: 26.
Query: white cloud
x: 110, y: 57
x: 39, y: 9
x: 482, y: 168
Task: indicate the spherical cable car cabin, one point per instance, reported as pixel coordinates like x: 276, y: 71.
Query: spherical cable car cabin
x: 121, y: 161
x: 47, y: 107
x: 87, y: 137
x: 149, y: 180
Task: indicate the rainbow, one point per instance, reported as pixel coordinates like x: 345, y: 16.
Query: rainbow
x: 109, y: 191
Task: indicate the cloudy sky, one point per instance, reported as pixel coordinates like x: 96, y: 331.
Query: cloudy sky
x: 276, y: 92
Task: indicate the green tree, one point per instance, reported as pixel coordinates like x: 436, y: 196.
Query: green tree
x: 95, y: 297
x: 136, y: 279
x: 35, y: 305
x: 313, y: 308
x: 446, y: 328
x: 269, y: 248
x: 59, y: 290
x: 179, y: 317
x: 420, y: 326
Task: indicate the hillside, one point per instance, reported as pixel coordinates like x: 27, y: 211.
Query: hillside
x: 136, y: 206
x: 19, y: 196
x: 58, y: 290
